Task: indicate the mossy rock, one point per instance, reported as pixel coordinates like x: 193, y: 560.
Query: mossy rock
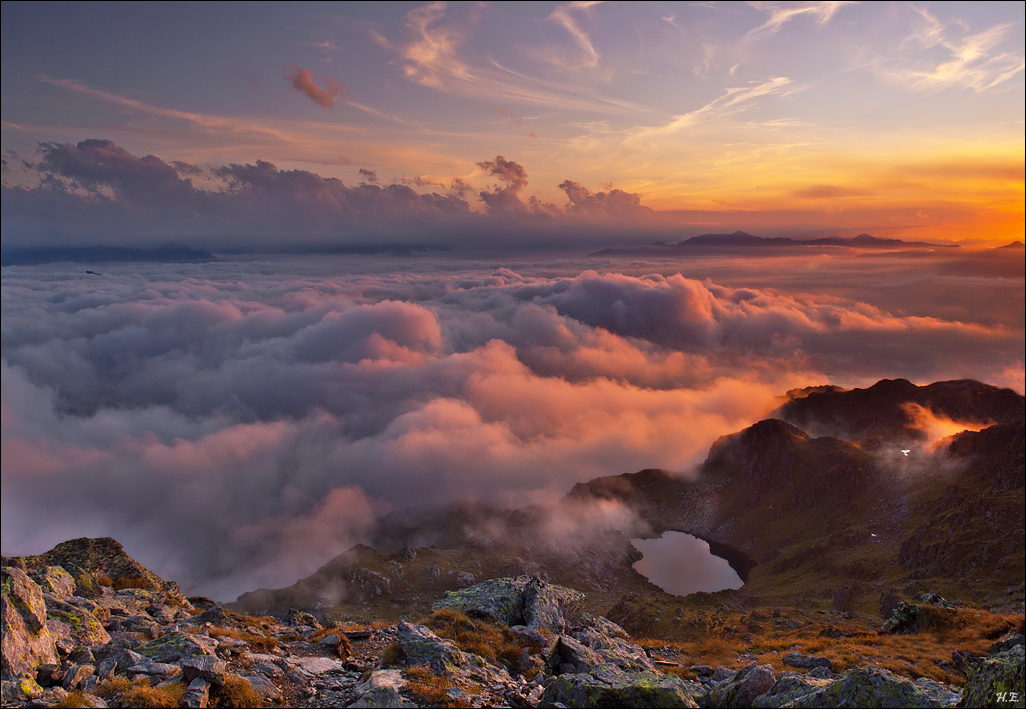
x: 609, y: 686
x: 998, y: 676
x: 868, y: 687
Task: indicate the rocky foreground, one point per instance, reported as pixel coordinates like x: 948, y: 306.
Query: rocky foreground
x: 102, y: 630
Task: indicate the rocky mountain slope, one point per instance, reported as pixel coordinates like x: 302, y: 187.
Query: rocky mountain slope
x: 866, y: 508
x: 515, y: 641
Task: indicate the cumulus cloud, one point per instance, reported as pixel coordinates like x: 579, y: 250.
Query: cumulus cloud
x: 236, y: 424
x: 303, y: 82
x: 615, y: 204
x: 97, y: 192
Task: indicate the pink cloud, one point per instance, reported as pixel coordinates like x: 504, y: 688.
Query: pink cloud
x: 302, y: 81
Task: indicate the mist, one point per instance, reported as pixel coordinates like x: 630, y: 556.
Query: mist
x: 236, y: 424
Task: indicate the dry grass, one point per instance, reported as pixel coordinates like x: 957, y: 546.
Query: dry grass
x: 74, y: 700
x: 112, y: 686
x: 393, y: 655
x: 237, y: 692
x: 477, y: 636
x: 428, y: 689
x: 849, y: 644
x: 145, y: 696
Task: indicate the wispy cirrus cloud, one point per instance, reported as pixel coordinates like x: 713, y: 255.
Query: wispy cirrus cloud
x: 935, y: 58
x: 435, y: 57
x: 588, y: 57
x: 780, y: 15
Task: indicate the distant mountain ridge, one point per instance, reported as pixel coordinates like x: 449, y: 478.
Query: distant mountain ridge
x: 741, y: 239
x: 797, y: 514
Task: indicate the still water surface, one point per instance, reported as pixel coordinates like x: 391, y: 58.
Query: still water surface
x: 681, y: 564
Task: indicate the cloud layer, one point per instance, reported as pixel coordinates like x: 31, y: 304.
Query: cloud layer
x: 97, y: 192
x: 236, y: 424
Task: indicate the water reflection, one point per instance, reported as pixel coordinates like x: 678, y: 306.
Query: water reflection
x: 681, y: 564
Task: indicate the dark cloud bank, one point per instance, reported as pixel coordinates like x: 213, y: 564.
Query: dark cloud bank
x: 238, y: 423
x: 96, y: 192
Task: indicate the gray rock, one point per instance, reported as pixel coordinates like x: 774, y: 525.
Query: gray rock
x: 314, y: 666
x: 742, y: 689
x: 568, y: 651
x: 942, y: 694
x: 609, y: 686
x: 197, y: 694
x: 420, y: 646
x: 788, y: 689
x: 385, y: 697
x: 868, y: 687
x: 993, y: 678
x: 75, y: 675
x: 1006, y: 642
x: 614, y: 650
x: 173, y: 646
x: 806, y: 662
x: 25, y: 642
x: 205, y: 667
x: 332, y: 640
x: 264, y: 687
x: 157, y: 669
x: 298, y: 619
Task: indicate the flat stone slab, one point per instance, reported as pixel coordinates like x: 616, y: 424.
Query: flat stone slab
x: 316, y: 665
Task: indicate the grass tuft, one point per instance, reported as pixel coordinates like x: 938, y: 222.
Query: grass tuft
x: 237, y: 692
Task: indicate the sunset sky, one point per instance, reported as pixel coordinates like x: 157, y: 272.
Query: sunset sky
x: 898, y: 119
x: 237, y: 422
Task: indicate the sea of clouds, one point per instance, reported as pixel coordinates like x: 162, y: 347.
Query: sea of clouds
x: 236, y: 424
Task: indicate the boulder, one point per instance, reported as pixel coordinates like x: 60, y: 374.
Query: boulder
x: 609, y: 686
x: 81, y: 625
x: 742, y: 689
x: 381, y: 689
x: 569, y: 655
x: 209, y: 668
x: 383, y: 697
x: 520, y: 600
x: 300, y: 619
x: 613, y: 649
x: 1006, y: 642
x: 992, y: 681
x: 20, y: 689
x: 264, y: 687
x: 552, y: 607
x: 905, y: 618
x: 197, y: 694
x: 806, y: 662
x: 868, y: 687
x: 173, y: 646
x: 26, y: 643
x: 55, y: 581
x: 75, y: 675
x: 788, y: 689
x: 498, y: 600
x: 420, y: 646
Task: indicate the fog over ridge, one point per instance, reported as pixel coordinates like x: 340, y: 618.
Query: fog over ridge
x: 237, y: 424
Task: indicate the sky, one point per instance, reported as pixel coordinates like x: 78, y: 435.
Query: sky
x: 489, y: 122
x: 239, y: 422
